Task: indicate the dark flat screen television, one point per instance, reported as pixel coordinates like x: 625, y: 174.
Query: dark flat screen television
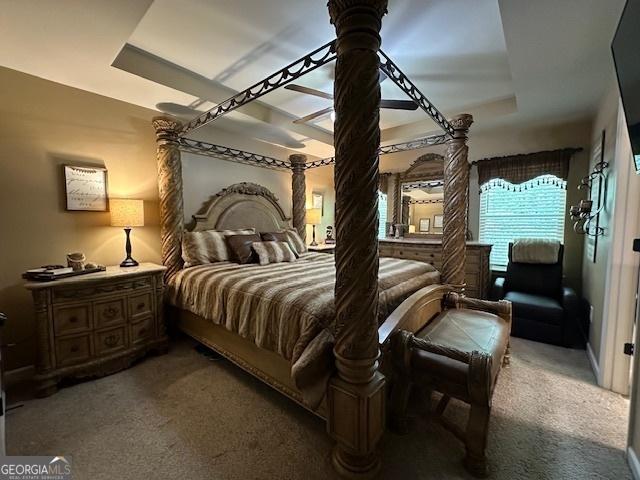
x: 626, y: 56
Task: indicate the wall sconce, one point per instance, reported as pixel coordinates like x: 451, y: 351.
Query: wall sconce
x: 583, y: 214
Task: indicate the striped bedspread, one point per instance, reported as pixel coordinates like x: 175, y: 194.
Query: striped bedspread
x: 288, y: 308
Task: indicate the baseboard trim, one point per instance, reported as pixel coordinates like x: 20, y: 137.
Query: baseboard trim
x: 19, y: 375
x: 594, y: 362
x: 634, y: 464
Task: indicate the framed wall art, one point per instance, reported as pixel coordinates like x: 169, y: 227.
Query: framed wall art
x: 437, y: 221
x: 85, y: 188
x: 424, y: 224
x: 317, y: 201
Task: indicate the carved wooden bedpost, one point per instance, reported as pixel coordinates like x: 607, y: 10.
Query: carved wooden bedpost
x: 404, y: 218
x: 170, y: 188
x: 299, y: 194
x: 356, y: 395
x: 397, y: 199
x: 456, y: 199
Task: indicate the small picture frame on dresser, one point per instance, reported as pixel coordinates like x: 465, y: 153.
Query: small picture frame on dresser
x: 85, y: 188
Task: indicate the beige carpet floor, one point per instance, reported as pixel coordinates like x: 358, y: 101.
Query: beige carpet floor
x: 184, y: 416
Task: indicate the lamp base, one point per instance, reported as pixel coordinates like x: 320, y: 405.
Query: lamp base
x: 129, y: 262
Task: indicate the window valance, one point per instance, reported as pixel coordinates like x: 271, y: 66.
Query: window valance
x: 521, y: 168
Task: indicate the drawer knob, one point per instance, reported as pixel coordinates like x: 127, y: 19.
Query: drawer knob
x: 142, y: 331
x: 111, y: 340
x: 74, y: 349
x: 140, y: 306
x: 73, y: 319
x: 110, y: 312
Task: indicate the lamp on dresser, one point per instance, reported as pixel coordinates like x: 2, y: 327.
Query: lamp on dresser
x: 127, y: 213
x: 314, y: 217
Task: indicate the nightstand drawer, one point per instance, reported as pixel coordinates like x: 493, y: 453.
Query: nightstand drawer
x: 141, y: 331
x: 112, y: 340
x: 111, y: 312
x: 139, y: 305
x: 72, y: 319
x: 72, y: 350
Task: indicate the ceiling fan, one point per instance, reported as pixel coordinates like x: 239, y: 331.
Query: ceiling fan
x: 389, y: 104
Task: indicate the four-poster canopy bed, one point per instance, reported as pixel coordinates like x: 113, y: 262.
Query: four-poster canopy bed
x: 353, y: 399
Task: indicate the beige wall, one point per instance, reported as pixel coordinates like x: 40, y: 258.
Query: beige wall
x: 426, y: 210
x: 44, y: 125
x: 594, y: 275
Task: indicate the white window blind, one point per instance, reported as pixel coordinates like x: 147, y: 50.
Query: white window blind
x: 534, y: 209
x: 382, y: 214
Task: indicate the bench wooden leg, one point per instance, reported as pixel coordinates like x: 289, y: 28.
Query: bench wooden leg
x: 506, y: 360
x: 399, y: 401
x: 476, y: 440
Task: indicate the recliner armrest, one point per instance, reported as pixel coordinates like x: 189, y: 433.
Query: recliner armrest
x: 570, y: 302
x: 497, y: 289
x: 571, y: 306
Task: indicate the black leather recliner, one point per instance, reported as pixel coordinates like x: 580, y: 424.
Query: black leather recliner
x: 543, y: 310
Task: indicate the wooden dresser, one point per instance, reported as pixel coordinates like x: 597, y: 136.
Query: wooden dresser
x: 477, y: 270
x: 96, y: 324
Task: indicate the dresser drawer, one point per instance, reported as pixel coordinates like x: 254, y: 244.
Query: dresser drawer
x: 72, y: 319
x: 142, y: 331
x: 112, y: 340
x: 139, y: 306
x: 66, y: 293
x: 110, y: 312
x: 72, y: 350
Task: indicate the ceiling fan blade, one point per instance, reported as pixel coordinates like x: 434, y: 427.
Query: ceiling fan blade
x: 383, y: 77
x: 398, y: 104
x: 308, y: 91
x: 311, y: 116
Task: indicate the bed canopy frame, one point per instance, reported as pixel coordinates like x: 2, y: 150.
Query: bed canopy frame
x: 355, y: 395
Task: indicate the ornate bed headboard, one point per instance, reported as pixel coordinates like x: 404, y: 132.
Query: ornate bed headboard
x: 242, y: 205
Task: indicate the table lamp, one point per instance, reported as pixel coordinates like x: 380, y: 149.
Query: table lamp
x: 314, y: 217
x: 127, y: 213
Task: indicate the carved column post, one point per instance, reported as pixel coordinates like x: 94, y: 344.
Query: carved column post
x: 397, y: 199
x: 299, y: 194
x: 356, y: 394
x: 456, y: 199
x: 170, y: 189
x: 404, y: 219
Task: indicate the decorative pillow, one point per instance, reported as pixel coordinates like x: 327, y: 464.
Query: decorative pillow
x: 273, y: 252
x: 240, y: 248
x: 279, y: 237
x: 208, y: 246
x: 296, y: 241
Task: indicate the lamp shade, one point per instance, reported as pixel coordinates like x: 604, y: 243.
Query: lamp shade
x: 412, y: 229
x: 126, y: 212
x: 314, y: 216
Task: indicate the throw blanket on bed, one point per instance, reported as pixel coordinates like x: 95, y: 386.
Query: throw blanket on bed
x: 288, y: 308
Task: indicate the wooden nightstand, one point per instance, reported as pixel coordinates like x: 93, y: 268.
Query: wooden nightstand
x: 97, y: 324
x: 323, y: 248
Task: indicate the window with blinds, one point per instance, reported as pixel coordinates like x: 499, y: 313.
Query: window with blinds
x: 534, y: 209
x: 382, y: 214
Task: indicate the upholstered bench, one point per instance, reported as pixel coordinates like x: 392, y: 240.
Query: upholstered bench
x: 459, y: 353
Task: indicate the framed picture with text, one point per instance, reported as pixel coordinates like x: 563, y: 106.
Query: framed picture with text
x: 85, y: 188
x: 437, y: 221
x: 424, y: 224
